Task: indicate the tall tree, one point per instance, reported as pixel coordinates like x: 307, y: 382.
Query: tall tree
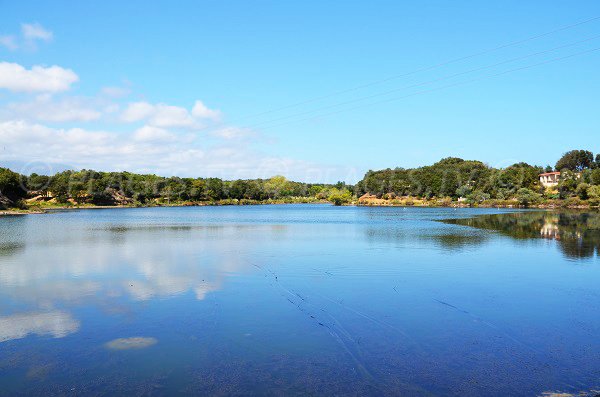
x: 575, y: 160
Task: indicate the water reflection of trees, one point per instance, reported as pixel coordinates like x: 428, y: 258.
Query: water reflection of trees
x: 577, y: 233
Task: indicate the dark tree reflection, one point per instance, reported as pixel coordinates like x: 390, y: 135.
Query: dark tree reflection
x: 577, y: 233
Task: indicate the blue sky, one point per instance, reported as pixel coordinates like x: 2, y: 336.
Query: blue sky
x: 205, y: 88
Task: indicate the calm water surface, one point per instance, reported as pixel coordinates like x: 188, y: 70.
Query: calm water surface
x: 306, y: 299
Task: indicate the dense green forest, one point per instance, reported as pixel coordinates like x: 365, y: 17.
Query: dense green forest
x: 449, y: 180
x: 125, y: 188
x: 477, y: 182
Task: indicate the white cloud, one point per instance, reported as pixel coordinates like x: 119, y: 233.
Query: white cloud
x: 153, y: 134
x: 137, y: 111
x: 44, y: 108
x: 168, y: 116
x: 159, y: 115
x: 151, y: 149
x: 15, y: 77
x: 35, y: 31
x: 56, y: 324
x: 171, y: 116
x: 31, y: 33
x: 202, y: 112
x: 45, y: 139
x: 9, y: 42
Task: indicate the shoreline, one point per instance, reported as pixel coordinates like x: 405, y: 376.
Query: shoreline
x: 39, y: 211
x: 49, y: 209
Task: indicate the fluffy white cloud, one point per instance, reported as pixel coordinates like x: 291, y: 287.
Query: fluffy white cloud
x: 153, y: 134
x: 201, y: 111
x: 9, y: 42
x: 151, y: 149
x: 171, y: 116
x: 137, y: 111
x: 44, y: 108
x: 15, y: 77
x: 168, y: 116
x: 159, y: 115
x: 35, y: 31
x: 42, y: 138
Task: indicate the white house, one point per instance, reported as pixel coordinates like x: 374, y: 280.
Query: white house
x: 549, y: 179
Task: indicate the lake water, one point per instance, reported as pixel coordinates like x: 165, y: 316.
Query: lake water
x: 300, y: 299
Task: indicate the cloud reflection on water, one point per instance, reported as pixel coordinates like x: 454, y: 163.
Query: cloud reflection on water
x: 113, y: 266
x: 56, y: 324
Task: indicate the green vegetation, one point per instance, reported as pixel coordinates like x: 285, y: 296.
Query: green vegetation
x: 452, y: 177
x: 475, y: 183
x: 450, y: 181
x: 93, y: 188
x: 576, y: 160
x: 340, y: 196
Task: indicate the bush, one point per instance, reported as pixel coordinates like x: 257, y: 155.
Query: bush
x: 340, y: 197
x: 582, y: 191
x: 477, y: 197
x: 594, y: 194
x: 595, y: 177
x: 527, y: 197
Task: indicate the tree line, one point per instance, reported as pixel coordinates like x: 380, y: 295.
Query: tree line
x: 477, y: 182
x: 110, y: 188
x: 450, y: 178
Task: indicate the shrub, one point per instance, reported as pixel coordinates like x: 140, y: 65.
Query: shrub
x: 594, y: 194
x: 340, y: 197
x: 477, y: 197
x: 527, y: 197
x: 582, y: 191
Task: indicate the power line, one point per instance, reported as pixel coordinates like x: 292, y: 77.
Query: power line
x: 424, y: 69
x: 441, y: 88
x: 423, y: 83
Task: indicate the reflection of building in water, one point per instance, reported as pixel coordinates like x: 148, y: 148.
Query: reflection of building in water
x: 576, y: 232
x: 550, y: 228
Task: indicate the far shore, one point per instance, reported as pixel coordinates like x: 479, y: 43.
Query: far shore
x: 50, y: 209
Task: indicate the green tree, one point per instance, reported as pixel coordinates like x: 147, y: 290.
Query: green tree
x: 59, y: 186
x: 275, y: 186
x: 478, y: 197
x: 10, y: 188
x: 463, y: 191
x: 38, y: 183
x: 526, y: 197
x: 215, y: 189
x: 575, y: 160
x: 340, y: 197
x: 582, y: 191
x: 567, y: 184
x: 595, y: 177
x: 594, y: 194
